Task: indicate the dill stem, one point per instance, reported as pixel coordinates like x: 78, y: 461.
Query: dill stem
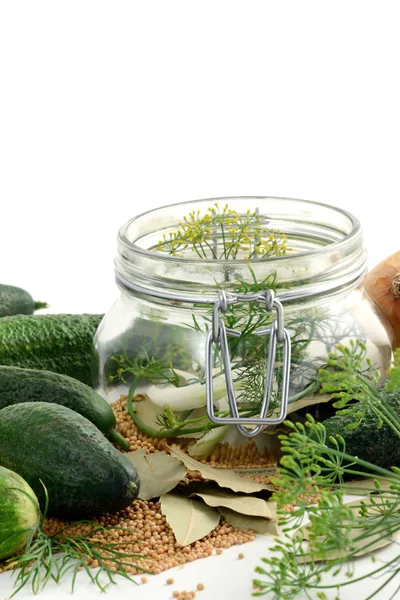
x: 376, y: 399
x: 379, y: 412
x: 223, y: 239
x: 156, y: 433
x: 211, y: 250
x: 370, y: 574
x: 359, y: 461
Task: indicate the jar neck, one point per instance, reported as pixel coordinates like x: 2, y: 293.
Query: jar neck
x: 325, y: 252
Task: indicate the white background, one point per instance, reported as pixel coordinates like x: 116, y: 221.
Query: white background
x: 111, y: 108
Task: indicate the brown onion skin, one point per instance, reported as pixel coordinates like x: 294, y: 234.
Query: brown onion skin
x: 383, y: 285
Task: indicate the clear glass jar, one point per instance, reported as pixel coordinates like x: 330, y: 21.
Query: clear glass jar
x: 156, y: 333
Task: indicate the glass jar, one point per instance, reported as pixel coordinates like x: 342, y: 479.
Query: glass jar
x: 195, y: 322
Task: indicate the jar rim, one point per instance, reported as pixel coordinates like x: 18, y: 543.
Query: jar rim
x: 154, y: 254
x: 334, y: 256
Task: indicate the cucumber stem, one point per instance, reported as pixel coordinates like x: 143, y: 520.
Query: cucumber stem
x: 118, y: 439
x: 39, y: 305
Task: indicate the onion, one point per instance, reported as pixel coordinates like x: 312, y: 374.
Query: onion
x: 206, y: 444
x: 187, y: 396
x: 383, y: 285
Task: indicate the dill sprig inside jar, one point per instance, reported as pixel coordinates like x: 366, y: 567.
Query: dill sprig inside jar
x: 171, y: 267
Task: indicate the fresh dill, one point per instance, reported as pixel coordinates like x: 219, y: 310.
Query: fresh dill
x: 48, y: 558
x: 223, y: 234
x: 156, y: 352
x: 312, y: 478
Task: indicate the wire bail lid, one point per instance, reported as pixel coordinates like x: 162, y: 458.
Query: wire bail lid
x: 219, y: 334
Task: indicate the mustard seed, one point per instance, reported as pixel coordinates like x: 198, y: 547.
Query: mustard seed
x: 200, y: 587
x: 148, y: 532
x: 170, y: 581
x: 240, y: 555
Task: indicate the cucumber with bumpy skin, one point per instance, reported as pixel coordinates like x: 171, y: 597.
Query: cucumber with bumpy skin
x: 16, y: 301
x: 376, y: 444
x: 19, y: 512
x: 60, y: 343
x: 30, y: 385
x: 83, y: 473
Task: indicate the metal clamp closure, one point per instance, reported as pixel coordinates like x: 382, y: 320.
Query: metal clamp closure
x: 277, y: 335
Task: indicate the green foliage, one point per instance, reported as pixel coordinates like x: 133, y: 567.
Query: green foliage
x: 355, y: 386
x: 53, y: 557
x: 311, y: 478
x: 394, y: 376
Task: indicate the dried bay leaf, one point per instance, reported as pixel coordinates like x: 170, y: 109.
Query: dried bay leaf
x: 367, y: 486
x: 189, y: 519
x: 223, y: 477
x: 363, y: 541
x: 243, y: 504
x: 158, y: 472
x: 148, y: 413
x: 308, y: 401
x: 257, y: 524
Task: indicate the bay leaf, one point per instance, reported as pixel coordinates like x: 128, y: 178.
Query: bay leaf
x: 158, y: 472
x: 243, y: 504
x: 367, y: 486
x: 189, y: 519
x: 223, y: 477
x: 257, y: 524
x: 308, y: 401
x: 148, y: 413
x: 363, y: 541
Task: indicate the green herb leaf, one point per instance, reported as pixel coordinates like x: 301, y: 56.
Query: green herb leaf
x: 363, y: 537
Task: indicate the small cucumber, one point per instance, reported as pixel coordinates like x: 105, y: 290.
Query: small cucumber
x: 19, y: 512
x: 16, y: 301
x: 59, y: 343
x: 377, y: 445
x: 29, y: 385
x: 82, y: 471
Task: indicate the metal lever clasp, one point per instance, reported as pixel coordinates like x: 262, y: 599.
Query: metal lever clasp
x: 219, y: 333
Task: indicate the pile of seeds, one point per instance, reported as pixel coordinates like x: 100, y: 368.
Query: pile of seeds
x: 224, y: 456
x: 126, y: 427
x: 150, y: 535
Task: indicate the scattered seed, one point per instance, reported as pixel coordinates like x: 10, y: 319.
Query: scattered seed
x: 240, y: 555
x: 148, y: 531
x: 223, y: 456
x: 170, y: 581
x: 200, y: 587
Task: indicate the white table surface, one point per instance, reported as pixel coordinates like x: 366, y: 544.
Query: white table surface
x: 223, y: 576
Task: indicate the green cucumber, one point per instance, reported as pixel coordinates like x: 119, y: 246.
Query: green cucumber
x: 16, y: 301
x: 19, y: 385
x: 59, y: 343
x: 377, y: 445
x: 19, y: 513
x: 83, y: 473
